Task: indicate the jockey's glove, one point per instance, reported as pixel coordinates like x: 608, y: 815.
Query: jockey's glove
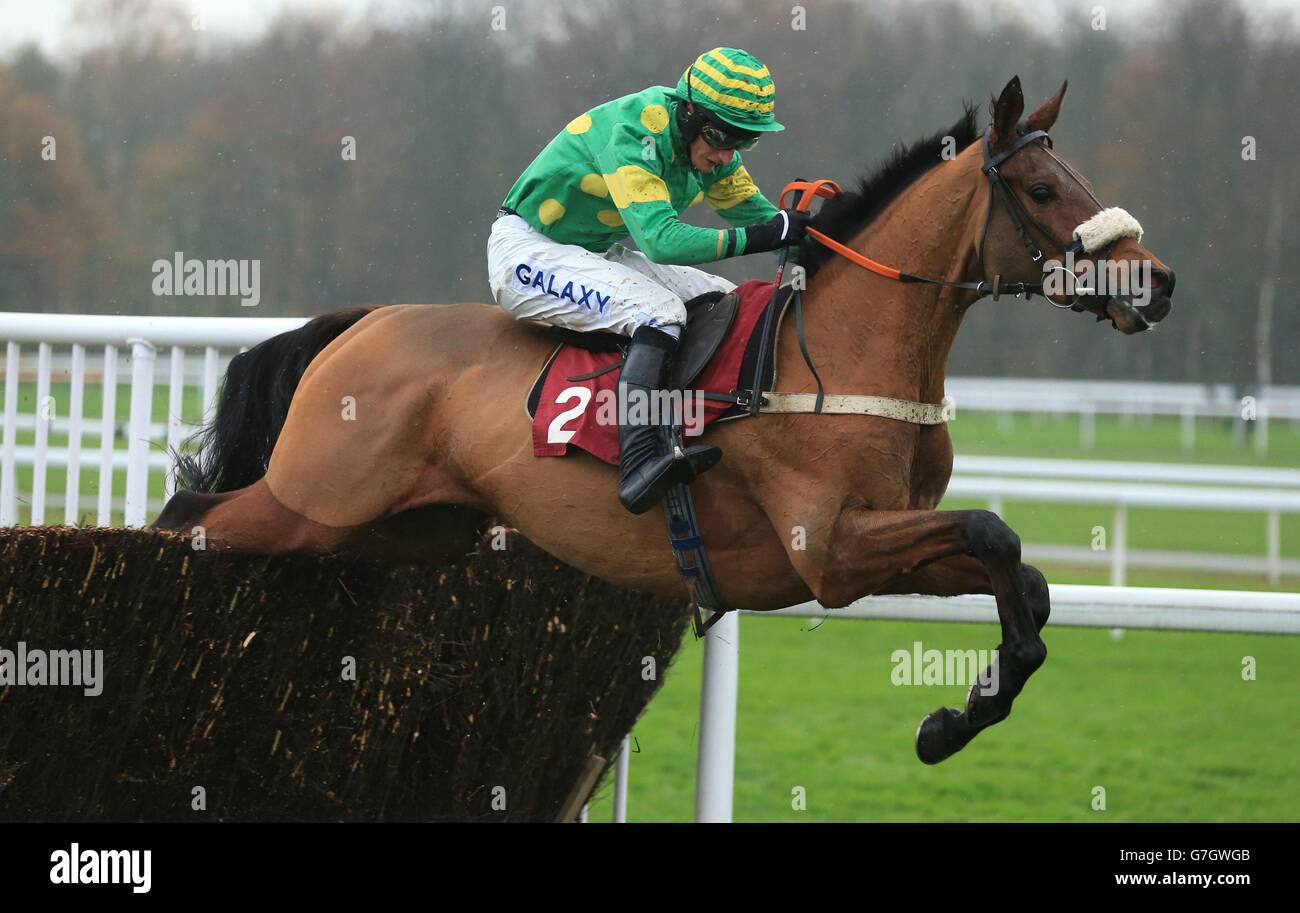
x: 786, y: 227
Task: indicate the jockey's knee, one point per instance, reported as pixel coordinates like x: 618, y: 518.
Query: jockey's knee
x: 667, y: 314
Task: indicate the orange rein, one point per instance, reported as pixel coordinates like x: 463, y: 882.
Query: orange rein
x: 828, y: 188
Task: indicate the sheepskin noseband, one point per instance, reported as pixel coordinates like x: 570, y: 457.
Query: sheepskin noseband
x: 1106, y: 227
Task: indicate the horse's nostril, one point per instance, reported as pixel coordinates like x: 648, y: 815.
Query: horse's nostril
x: 1164, y: 280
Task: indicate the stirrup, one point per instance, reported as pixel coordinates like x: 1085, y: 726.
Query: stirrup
x: 651, y: 480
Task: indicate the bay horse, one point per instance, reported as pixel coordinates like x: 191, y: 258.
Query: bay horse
x: 401, y: 429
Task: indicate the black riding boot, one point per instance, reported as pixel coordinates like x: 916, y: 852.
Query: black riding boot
x: 645, y: 471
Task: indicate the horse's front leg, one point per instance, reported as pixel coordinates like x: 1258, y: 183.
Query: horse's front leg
x: 942, y: 553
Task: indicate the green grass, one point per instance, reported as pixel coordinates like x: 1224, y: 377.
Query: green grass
x: 1162, y: 720
x: 1156, y: 440
x: 93, y: 397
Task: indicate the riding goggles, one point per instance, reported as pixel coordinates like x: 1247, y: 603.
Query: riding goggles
x: 719, y: 138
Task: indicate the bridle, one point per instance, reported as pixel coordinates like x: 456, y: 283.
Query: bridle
x: 998, y: 189
x: 1015, y: 210
x: 1018, y: 214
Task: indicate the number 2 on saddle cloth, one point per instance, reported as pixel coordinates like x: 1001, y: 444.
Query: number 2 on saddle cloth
x: 574, y: 402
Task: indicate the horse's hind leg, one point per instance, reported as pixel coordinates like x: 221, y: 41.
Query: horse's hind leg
x: 185, y: 510
x: 251, y: 519
x: 874, y: 551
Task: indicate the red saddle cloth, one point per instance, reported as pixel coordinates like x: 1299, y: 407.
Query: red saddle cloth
x: 582, y: 413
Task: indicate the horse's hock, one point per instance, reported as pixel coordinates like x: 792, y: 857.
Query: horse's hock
x: 244, y: 687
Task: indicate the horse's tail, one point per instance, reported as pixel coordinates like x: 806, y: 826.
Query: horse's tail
x: 235, y: 447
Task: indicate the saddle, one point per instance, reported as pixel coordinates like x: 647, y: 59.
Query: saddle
x: 718, y: 354
x: 708, y: 318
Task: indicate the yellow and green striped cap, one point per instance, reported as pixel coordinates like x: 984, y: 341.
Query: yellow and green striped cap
x: 735, y: 86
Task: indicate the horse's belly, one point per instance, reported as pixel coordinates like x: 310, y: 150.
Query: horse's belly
x: 569, y: 505
x: 424, y: 405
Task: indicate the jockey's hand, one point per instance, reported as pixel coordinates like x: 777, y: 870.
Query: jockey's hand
x: 786, y: 227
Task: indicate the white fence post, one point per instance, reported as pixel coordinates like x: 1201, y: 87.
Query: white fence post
x: 107, y: 429
x: 1087, y: 426
x: 137, y: 459
x: 1274, y: 547
x: 175, y: 394
x: 8, y: 465
x: 43, y: 419
x: 72, y: 502
x: 1261, y: 428
x: 1119, y: 545
x: 209, y: 383
x: 720, y: 685
x: 620, y: 781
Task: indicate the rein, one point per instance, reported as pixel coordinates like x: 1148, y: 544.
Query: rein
x: 997, y: 185
x: 1117, y: 224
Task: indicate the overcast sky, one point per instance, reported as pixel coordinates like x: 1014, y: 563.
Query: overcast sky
x: 50, y: 22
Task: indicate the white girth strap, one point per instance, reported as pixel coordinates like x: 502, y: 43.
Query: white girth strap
x: 1108, y: 226
x: 847, y: 404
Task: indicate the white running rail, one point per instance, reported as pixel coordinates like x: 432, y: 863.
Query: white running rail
x: 142, y: 337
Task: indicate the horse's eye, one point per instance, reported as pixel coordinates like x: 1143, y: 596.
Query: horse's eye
x: 1041, y: 193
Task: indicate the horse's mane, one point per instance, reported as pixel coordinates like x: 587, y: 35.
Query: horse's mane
x: 844, y: 216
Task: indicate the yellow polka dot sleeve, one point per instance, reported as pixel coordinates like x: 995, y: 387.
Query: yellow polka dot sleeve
x: 632, y: 170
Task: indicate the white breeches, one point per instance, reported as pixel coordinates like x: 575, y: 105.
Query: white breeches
x: 535, y: 278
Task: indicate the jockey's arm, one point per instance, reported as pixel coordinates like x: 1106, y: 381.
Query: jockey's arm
x: 637, y: 188
x: 733, y: 195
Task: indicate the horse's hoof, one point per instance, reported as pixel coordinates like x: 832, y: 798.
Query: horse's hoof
x: 940, y: 736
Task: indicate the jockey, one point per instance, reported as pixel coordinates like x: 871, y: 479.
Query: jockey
x: 630, y: 167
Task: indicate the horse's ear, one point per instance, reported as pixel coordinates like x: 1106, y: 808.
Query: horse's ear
x: 1007, y: 108
x: 1045, y: 116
